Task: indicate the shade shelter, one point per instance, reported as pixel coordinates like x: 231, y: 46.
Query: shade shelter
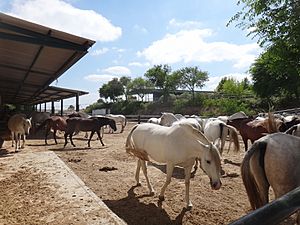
x: 32, y: 57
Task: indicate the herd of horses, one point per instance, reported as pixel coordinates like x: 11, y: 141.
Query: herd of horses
x: 19, y: 126
x: 271, y: 161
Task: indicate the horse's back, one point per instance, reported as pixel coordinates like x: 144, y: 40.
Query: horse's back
x: 15, y: 122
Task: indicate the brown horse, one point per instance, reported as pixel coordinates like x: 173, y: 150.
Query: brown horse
x: 271, y: 161
x: 55, y: 123
x: 248, y: 130
x: 77, y: 124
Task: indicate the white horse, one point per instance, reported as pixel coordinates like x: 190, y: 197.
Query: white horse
x: 154, y: 120
x: 18, y: 126
x: 179, y: 145
x: 168, y: 119
x: 121, y: 119
x: 217, y: 130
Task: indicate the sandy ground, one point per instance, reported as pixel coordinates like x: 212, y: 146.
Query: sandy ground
x: 109, y: 172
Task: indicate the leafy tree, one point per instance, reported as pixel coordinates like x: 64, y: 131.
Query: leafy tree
x: 125, y: 81
x: 140, y: 86
x: 276, y: 24
x: 161, y: 77
x: 272, y: 21
x: 191, y: 78
x: 112, y: 89
x: 229, y: 85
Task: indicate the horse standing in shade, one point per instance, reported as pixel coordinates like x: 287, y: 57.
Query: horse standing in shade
x: 180, y: 145
x: 273, y: 161
x: 19, y: 127
x: 38, y: 118
x: 77, y: 124
x: 55, y: 123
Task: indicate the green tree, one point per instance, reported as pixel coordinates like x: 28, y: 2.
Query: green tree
x: 140, y: 87
x: 161, y: 77
x: 125, y: 81
x: 276, y: 24
x: 191, y: 78
x: 112, y: 89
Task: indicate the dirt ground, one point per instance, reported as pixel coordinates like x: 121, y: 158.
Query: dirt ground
x: 109, y: 172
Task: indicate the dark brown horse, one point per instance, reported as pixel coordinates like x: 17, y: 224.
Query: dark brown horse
x: 77, y: 124
x: 55, y: 123
x: 252, y: 129
x: 248, y: 130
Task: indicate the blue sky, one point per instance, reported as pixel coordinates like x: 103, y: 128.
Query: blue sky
x: 134, y: 35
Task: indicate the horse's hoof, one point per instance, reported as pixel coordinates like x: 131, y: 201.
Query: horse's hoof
x: 161, y: 198
x: 152, y: 193
x: 138, y: 184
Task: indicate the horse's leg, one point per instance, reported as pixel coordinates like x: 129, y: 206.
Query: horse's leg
x: 46, y: 134
x: 137, y: 173
x: 23, y: 140
x: 12, y: 139
x: 122, y: 129
x: 92, y: 133
x: 66, y: 139
x: 54, y: 136
x: 245, y: 140
x: 187, y: 172
x: 99, y: 136
x: 170, y: 168
x: 71, y: 139
x: 144, y: 168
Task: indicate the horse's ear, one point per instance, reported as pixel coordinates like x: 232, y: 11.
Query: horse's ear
x: 30, y: 119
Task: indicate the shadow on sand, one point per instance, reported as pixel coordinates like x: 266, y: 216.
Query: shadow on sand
x: 134, y: 212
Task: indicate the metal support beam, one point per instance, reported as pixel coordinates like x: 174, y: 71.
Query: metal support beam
x: 77, y: 102
x: 52, y: 108
x: 61, y: 107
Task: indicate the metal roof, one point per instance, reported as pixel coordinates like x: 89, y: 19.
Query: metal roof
x: 32, y: 57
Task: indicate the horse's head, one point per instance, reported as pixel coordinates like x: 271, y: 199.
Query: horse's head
x: 211, y: 165
x: 112, y: 124
x: 27, y: 125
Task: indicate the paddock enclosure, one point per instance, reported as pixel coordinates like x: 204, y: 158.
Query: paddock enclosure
x: 108, y: 171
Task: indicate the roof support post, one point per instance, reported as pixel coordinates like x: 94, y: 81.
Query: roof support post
x: 61, y: 107
x: 40, y: 107
x: 77, y: 102
x: 45, y: 107
x: 52, y: 108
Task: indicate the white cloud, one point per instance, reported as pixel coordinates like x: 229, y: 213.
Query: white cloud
x: 63, y: 16
x: 214, y: 81
x: 140, y: 29
x: 184, y: 24
x: 190, y: 46
x: 99, y: 51
x: 138, y: 64
x: 103, y: 78
x: 117, y: 70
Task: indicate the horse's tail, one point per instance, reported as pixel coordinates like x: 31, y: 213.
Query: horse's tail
x: 129, y: 146
x: 249, y: 181
x: 131, y: 149
x: 233, y: 135
x: 43, y: 124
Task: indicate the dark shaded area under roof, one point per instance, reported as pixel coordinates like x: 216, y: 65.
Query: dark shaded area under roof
x: 32, y: 57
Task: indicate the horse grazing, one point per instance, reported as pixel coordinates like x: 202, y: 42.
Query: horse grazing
x: 118, y: 119
x: 19, y: 126
x: 55, y: 123
x: 77, y: 124
x: 179, y: 145
x: 38, y: 118
x: 273, y: 161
